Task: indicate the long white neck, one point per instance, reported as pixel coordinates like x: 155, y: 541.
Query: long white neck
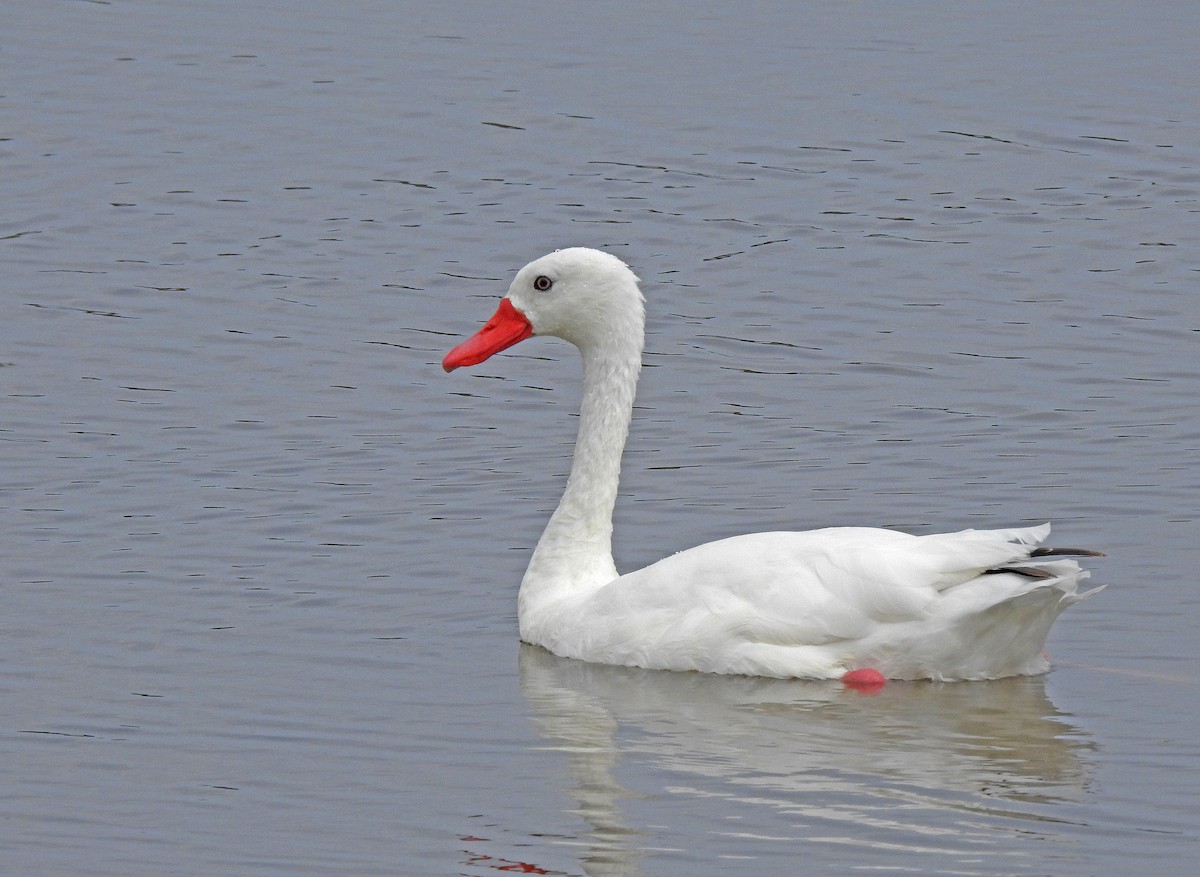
x: 574, y: 554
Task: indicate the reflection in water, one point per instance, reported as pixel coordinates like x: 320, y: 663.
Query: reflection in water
x: 919, y: 767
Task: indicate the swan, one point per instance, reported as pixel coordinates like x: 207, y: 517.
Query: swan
x: 859, y: 604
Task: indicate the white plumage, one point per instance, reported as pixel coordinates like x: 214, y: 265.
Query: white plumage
x: 976, y: 604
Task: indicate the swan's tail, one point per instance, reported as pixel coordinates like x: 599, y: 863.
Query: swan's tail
x: 996, y: 623
x: 1008, y: 637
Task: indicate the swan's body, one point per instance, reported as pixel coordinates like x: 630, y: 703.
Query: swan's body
x: 977, y: 604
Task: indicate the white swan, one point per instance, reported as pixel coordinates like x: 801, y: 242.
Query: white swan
x: 854, y: 603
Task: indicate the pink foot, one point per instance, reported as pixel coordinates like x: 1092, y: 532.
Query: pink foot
x: 865, y: 679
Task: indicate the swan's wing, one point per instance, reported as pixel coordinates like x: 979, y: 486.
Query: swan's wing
x: 806, y: 588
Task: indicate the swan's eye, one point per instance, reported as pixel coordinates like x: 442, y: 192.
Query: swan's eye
x: 542, y: 283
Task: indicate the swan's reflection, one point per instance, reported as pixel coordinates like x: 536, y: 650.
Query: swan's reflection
x: 916, y: 766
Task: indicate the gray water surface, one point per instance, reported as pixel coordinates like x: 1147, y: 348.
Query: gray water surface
x: 923, y: 265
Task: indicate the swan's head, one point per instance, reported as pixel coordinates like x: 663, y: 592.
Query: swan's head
x: 584, y: 296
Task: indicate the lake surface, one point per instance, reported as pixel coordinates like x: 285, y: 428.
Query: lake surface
x: 923, y: 265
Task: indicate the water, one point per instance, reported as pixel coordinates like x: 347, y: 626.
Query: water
x: 922, y: 266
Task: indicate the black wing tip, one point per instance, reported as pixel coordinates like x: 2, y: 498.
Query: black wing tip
x: 1031, y: 572
x: 1068, y: 552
